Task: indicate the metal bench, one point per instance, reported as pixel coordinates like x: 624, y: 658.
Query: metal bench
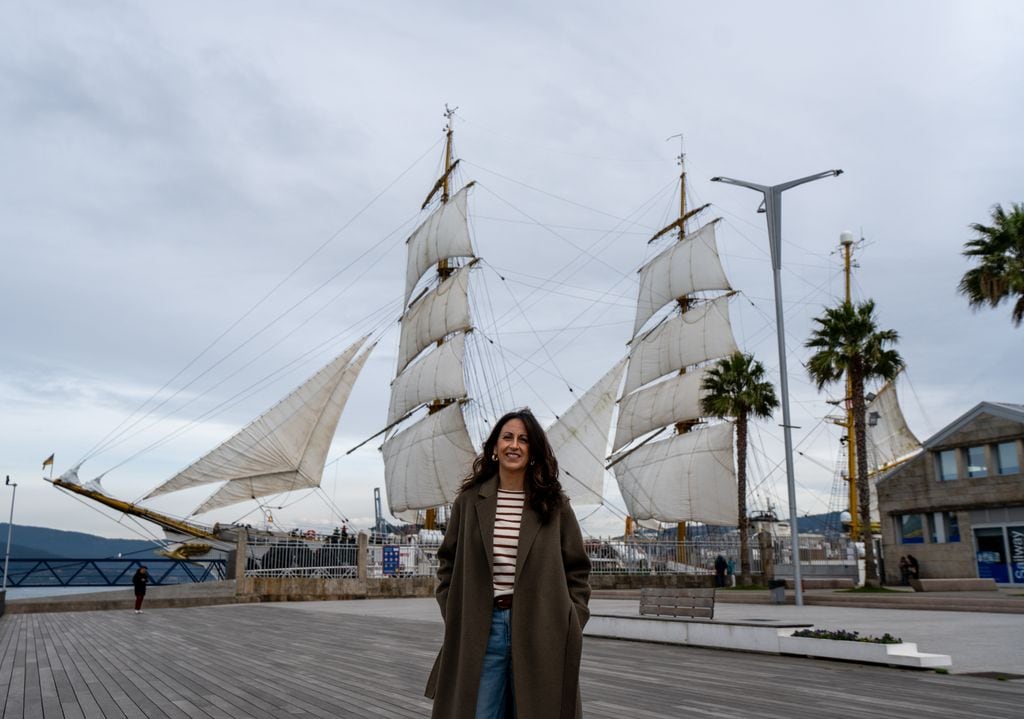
x: 689, y: 603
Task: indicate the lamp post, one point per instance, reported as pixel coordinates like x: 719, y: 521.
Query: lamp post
x: 772, y: 195
x: 10, y: 526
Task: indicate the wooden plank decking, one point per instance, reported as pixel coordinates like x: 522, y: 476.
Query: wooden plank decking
x: 267, y: 661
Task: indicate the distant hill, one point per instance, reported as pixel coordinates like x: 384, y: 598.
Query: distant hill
x: 819, y: 523
x: 45, y: 543
x: 20, y: 550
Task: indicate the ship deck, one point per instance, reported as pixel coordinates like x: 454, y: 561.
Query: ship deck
x: 274, y: 660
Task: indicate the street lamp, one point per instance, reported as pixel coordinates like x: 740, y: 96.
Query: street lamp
x: 773, y: 207
x: 10, y: 526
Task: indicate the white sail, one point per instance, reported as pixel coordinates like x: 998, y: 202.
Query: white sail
x: 438, y: 375
x: 889, y: 439
x: 579, y: 439
x: 285, y: 447
x: 702, y: 333
x: 443, y: 235
x: 688, y: 477
x: 677, y: 399
x: 425, y: 464
x: 309, y: 468
x: 443, y: 310
x: 691, y: 265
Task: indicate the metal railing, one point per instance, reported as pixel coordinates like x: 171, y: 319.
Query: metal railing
x: 110, y: 572
x: 640, y: 555
x: 294, y: 557
x: 407, y: 557
x: 637, y: 555
x: 410, y: 559
x: 819, y: 557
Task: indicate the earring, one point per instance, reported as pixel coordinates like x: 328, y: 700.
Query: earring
x: 494, y: 457
x: 533, y: 462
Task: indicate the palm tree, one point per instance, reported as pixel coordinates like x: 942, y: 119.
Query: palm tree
x: 999, y: 274
x: 735, y: 387
x: 847, y: 340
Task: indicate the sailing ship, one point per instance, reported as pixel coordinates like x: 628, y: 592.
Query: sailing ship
x: 671, y: 463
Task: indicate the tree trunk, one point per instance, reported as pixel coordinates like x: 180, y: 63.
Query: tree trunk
x: 863, y: 486
x: 741, y: 496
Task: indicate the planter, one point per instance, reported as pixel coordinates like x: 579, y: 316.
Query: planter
x: 905, y: 654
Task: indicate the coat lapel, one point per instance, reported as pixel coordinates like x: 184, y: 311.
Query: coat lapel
x: 486, y: 511
x: 528, y: 528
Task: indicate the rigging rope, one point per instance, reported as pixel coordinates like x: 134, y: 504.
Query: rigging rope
x: 101, y: 444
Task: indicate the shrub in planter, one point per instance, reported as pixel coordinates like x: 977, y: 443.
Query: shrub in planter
x: 844, y: 635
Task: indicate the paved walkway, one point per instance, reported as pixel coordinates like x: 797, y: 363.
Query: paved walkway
x: 370, y: 659
x: 977, y: 642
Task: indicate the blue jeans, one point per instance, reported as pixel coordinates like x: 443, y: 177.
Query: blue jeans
x: 495, y: 692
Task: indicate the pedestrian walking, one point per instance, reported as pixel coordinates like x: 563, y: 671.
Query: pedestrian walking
x: 139, y: 581
x: 511, y: 539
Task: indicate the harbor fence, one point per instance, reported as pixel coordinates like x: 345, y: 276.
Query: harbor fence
x: 393, y: 556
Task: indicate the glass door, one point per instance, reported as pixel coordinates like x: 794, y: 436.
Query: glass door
x: 990, y: 551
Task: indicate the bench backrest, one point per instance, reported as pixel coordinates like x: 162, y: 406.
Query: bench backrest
x: 694, y: 603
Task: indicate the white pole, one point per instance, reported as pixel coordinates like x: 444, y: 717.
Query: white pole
x: 773, y: 208
x: 10, y: 526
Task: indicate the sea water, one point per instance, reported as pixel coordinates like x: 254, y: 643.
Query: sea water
x: 35, y: 592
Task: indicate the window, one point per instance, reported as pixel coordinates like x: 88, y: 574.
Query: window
x: 952, y: 526
x: 943, y: 527
x: 1006, y: 456
x: 976, y: 465
x: 947, y: 464
x: 911, y: 529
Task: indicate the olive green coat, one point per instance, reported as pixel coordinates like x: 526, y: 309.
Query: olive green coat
x: 549, y: 609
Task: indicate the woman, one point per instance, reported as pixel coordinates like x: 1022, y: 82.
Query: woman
x: 140, y: 580
x: 513, y: 586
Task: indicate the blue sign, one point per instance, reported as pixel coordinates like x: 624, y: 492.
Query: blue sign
x: 392, y: 558
x: 1016, y: 535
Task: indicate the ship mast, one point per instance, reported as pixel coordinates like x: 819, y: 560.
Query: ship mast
x: 162, y: 520
x: 444, y: 270
x: 846, y: 240
x: 684, y: 304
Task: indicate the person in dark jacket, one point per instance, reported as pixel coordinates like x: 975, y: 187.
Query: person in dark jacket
x: 721, y: 565
x: 139, y: 581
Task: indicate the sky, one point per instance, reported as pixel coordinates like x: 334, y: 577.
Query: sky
x: 196, y: 197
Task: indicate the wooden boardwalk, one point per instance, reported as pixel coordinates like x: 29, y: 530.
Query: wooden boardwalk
x: 267, y: 661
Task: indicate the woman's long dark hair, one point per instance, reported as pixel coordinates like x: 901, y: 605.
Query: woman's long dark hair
x: 543, y: 490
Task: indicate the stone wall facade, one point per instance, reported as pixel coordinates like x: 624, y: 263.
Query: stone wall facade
x: 917, y: 487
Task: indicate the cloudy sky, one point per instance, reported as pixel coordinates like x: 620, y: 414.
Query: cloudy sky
x: 197, y: 197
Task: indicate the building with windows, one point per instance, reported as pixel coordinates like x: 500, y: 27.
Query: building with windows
x: 958, y: 506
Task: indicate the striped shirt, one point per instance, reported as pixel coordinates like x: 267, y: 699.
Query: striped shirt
x: 506, y: 539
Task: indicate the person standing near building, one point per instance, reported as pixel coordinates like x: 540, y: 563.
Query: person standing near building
x: 139, y: 581
x: 512, y: 540
x: 721, y: 566
x: 913, y: 568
